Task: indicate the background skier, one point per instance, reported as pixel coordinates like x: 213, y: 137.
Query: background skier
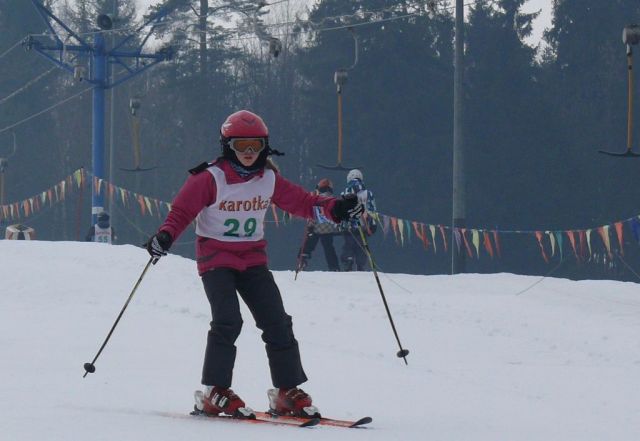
x: 320, y: 229
x: 102, y: 231
x: 228, y: 198
x: 353, y: 253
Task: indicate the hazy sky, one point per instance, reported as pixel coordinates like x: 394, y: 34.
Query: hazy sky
x: 543, y: 21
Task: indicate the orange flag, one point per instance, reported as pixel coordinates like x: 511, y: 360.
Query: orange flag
x: 496, y: 239
x: 604, y: 234
x: 143, y: 207
x: 583, y: 244
x: 425, y: 237
x: 394, y: 227
x: 420, y: 233
x: 112, y: 190
x: 544, y: 254
x: 487, y: 244
x: 444, y: 238
x: 572, y: 239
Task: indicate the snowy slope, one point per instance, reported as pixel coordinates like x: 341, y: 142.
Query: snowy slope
x: 558, y: 362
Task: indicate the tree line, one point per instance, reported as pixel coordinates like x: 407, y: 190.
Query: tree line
x: 535, y: 116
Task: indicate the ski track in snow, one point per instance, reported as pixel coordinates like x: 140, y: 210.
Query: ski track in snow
x: 558, y: 362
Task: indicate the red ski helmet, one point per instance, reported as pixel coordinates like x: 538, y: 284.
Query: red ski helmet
x: 244, y: 124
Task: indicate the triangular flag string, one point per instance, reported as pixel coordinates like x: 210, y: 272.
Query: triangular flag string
x: 403, y: 229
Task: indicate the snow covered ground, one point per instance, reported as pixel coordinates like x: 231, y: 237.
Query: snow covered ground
x: 558, y: 362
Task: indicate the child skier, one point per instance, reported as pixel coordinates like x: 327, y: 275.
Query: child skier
x: 228, y: 198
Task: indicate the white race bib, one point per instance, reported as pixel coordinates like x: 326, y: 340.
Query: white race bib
x: 102, y: 234
x: 238, y: 213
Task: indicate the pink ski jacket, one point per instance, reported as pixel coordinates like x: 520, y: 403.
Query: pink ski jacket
x: 199, y: 192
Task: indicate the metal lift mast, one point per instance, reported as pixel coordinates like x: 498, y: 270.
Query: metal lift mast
x: 100, y: 56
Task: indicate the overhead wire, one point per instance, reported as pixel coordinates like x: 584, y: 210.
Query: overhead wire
x: 44, y: 111
x: 11, y: 48
x: 29, y: 83
x: 392, y: 8
x: 313, y: 26
x: 19, y: 42
x: 51, y: 107
x: 316, y: 26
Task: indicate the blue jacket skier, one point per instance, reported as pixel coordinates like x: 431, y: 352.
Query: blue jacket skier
x: 353, y: 255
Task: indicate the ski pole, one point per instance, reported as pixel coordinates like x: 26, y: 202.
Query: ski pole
x: 402, y: 353
x: 90, y: 368
x: 304, y: 244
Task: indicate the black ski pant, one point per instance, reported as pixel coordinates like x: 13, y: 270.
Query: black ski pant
x: 327, y: 245
x: 353, y: 256
x: 260, y: 293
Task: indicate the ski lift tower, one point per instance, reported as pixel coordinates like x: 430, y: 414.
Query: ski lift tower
x: 74, y: 57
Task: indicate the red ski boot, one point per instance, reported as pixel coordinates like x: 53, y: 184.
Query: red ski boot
x: 216, y: 400
x: 293, y: 401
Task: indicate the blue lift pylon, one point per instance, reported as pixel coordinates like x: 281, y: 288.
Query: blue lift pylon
x: 55, y: 49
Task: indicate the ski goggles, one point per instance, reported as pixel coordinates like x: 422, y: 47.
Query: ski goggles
x: 247, y: 145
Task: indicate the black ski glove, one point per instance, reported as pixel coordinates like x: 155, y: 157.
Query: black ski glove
x: 158, y: 244
x: 347, y: 207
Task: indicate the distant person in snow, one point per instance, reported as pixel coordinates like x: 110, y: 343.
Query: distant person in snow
x: 228, y: 198
x: 102, y: 231
x: 353, y: 255
x: 320, y: 229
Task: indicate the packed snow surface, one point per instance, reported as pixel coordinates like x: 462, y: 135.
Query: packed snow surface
x: 560, y: 361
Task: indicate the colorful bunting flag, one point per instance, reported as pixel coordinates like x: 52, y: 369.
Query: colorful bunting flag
x: 604, y: 234
x: 544, y: 254
x: 619, y: 233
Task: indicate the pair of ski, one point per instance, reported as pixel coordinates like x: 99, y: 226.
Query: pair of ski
x: 285, y: 420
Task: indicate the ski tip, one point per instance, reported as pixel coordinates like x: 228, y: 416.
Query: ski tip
x: 362, y: 421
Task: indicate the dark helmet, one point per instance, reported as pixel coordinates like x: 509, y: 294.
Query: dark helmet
x: 244, y: 124
x: 325, y: 186
x: 103, y: 219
